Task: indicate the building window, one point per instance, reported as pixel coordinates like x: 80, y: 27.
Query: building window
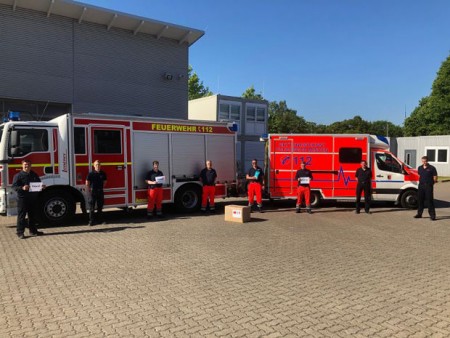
x: 437, y: 154
x: 229, y: 112
x: 256, y: 114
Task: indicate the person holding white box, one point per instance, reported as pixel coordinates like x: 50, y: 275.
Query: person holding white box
x: 303, y: 177
x: 26, y: 199
x: 155, y: 180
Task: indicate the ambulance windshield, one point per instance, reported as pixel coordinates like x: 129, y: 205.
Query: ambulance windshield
x: 387, y: 162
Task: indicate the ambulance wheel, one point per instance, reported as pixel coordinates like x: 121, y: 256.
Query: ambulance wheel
x: 56, y: 207
x: 315, y: 199
x: 409, y: 199
x: 188, y: 198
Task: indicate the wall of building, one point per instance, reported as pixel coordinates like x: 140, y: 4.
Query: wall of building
x: 57, y: 60
x: 204, y: 108
x: 248, y: 145
x: 411, y: 149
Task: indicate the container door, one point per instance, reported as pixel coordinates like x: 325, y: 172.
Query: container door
x: 282, y: 168
x: 107, y: 144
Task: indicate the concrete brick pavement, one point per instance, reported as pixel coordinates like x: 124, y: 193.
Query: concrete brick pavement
x: 330, y: 274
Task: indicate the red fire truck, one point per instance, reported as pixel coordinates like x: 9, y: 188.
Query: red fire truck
x: 333, y: 160
x: 62, y: 152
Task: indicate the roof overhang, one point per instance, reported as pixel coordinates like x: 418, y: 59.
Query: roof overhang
x: 109, y: 18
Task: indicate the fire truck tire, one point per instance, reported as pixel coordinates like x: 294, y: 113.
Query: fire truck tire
x: 188, y: 198
x: 315, y: 199
x: 409, y: 199
x: 56, y: 207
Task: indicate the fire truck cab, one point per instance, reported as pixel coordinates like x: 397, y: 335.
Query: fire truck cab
x: 333, y: 160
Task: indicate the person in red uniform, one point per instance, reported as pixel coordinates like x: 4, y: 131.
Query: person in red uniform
x: 155, y: 190
x: 255, y: 178
x: 303, y: 177
x: 208, y: 178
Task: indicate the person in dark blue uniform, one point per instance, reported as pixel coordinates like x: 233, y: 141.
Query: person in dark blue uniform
x: 364, y: 177
x: 95, y: 182
x: 428, y: 177
x: 26, y: 200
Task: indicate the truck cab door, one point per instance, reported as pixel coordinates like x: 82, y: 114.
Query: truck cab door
x: 107, y: 144
x: 387, y: 175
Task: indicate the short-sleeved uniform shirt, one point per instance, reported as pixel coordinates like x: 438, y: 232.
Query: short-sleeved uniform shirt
x: 303, y: 173
x: 151, y: 176
x: 208, y: 176
x: 427, y: 174
x: 364, y: 176
x: 256, y: 172
x: 96, y: 179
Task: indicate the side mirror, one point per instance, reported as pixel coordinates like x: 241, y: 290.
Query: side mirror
x: 15, y: 139
x: 404, y: 172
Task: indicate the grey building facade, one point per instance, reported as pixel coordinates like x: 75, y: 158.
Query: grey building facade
x: 251, y: 117
x: 411, y: 149
x: 64, y: 56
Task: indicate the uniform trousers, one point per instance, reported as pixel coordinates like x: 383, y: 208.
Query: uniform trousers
x: 366, y: 187
x: 425, y: 194
x: 25, y: 205
x: 255, y: 188
x: 97, y: 198
x: 303, y: 192
x: 155, y: 197
x: 209, y: 191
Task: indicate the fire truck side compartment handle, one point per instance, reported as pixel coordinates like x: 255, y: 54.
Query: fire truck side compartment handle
x: 380, y: 176
x: 277, y: 171
x: 48, y: 170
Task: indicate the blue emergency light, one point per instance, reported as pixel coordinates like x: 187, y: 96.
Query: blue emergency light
x: 232, y: 126
x: 14, y: 116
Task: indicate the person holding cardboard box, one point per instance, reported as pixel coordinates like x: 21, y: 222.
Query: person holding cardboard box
x: 304, y: 177
x: 26, y: 199
x: 155, y: 180
x: 208, y: 178
x: 255, y: 177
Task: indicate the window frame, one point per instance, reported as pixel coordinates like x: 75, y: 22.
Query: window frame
x: 436, y: 149
x: 229, y: 103
x: 256, y: 106
x: 19, y: 129
x: 95, y: 143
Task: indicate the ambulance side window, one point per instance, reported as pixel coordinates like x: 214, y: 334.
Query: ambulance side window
x: 386, y: 162
x: 79, y: 135
x: 350, y: 155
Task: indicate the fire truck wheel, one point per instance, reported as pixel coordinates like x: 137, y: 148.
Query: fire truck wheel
x: 56, y: 207
x: 409, y: 199
x: 315, y: 199
x: 188, y: 198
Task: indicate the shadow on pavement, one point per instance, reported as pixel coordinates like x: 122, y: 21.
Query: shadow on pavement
x: 92, y: 230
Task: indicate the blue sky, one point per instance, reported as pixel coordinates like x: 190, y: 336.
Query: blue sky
x: 329, y: 59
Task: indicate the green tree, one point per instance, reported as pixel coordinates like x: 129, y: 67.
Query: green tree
x: 385, y: 128
x: 432, y: 115
x: 355, y: 125
x: 196, y: 88
x: 250, y: 93
x: 285, y: 120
